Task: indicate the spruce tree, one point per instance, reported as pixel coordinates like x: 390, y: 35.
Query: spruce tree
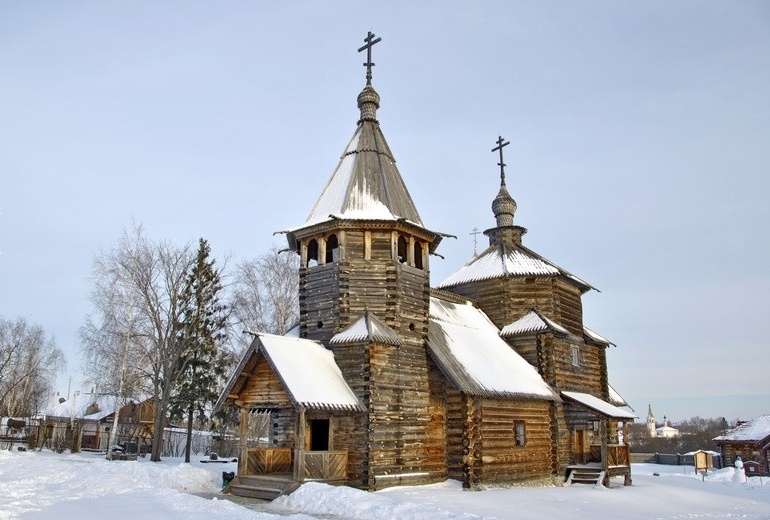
x: 204, y: 322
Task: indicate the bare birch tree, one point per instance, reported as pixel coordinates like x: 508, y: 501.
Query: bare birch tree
x: 154, y: 273
x: 29, y: 362
x: 265, y: 293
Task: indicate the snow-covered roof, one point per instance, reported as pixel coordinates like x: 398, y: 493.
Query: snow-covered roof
x: 99, y: 406
x: 617, y: 399
x: 757, y: 429
x: 307, y: 370
x: 368, y: 328
x: 533, y: 321
x: 598, y: 405
x: 595, y: 337
x: 467, y: 347
x: 501, y: 262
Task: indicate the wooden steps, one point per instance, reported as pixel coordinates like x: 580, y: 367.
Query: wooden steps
x: 585, y: 475
x: 264, y: 487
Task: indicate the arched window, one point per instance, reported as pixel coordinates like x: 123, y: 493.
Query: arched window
x: 332, y: 246
x: 402, y: 250
x: 312, y: 253
x: 418, y: 255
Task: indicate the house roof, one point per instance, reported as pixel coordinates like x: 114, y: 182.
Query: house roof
x: 598, y: 406
x: 503, y: 261
x: 755, y: 430
x: 367, y: 328
x: 467, y: 347
x: 307, y: 370
x: 100, y: 405
x: 533, y: 321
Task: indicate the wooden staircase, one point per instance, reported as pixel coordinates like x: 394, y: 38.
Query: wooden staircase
x: 585, y: 475
x: 264, y: 487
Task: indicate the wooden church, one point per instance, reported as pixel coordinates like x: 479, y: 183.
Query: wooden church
x: 489, y: 378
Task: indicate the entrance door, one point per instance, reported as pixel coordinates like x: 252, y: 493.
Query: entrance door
x: 580, y: 444
x: 319, y: 435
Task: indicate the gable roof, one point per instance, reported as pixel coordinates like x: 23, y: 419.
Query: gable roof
x: 307, y: 370
x: 501, y: 261
x: 755, y: 430
x: 467, y: 348
x: 533, y: 321
x: 367, y: 328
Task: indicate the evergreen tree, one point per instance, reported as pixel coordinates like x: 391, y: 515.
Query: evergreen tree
x: 203, y: 331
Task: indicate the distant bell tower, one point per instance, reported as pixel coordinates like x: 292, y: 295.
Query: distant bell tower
x: 651, y: 426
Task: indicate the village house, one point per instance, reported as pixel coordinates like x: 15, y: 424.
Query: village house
x: 490, y: 377
x: 749, y: 440
x: 84, y: 422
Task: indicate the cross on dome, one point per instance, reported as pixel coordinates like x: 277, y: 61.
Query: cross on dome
x: 370, y: 41
x: 500, y: 144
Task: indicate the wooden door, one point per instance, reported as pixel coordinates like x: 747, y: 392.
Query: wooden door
x: 580, y: 445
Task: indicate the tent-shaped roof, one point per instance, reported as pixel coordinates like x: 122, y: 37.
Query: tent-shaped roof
x: 368, y: 328
x: 366, y: 184
x: 467, y: 347
x: 307, y: 370
x: 598, y: 406
x: 503, y: 261
x: 755, y: 430
x: 533, y: 321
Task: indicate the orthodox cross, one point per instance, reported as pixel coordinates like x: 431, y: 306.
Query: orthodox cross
x: 475, y: 233
x: 500, y: 143
x: 370, y: 41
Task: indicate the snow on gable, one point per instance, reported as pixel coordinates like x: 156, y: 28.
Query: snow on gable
x: 468, y: 348
x: 755, y: 430
x: 533, y: 321
x: 309, y: 372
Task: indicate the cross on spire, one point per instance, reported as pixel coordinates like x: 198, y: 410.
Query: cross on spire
x: 500, y: 143
x: 370, y: 41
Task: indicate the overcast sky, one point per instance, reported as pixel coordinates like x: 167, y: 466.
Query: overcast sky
x: 639, y: 160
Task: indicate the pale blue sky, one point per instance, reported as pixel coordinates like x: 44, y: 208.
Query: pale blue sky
x: 639, y: 160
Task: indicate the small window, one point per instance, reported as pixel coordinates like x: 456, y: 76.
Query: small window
x: 576, y: 356
x: 520, y: 433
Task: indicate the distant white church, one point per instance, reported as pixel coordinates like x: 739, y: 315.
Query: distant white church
x: 659, y: 431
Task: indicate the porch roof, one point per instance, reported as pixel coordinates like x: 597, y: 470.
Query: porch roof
x: 598, y: 406
x: 306, y: 369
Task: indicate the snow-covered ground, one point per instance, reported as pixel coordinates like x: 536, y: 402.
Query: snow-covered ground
x: 45, y: 485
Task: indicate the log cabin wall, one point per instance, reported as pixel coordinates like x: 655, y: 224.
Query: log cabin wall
x: 505, y: 300
x: 351, y: 432
x: 576, y: 365
x: 508, y: 455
